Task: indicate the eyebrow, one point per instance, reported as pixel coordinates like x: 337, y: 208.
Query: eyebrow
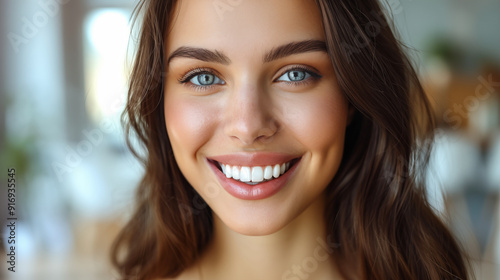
x: 200, y: 54
x: 274, y: 54
x: 295, y: 48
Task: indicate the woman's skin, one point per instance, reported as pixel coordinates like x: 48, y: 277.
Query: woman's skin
x: 248, y: 108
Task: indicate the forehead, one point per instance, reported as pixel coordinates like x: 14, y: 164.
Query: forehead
x: 242, y: 26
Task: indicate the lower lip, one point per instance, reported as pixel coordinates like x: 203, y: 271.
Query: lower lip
x: 253, y: 192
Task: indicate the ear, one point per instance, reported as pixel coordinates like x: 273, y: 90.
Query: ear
x: 350, y: 113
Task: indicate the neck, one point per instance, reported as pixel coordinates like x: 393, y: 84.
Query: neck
x: 298, y: 251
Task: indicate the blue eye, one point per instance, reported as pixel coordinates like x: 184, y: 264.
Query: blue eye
x: 294, y: 76
x: 206, y: 79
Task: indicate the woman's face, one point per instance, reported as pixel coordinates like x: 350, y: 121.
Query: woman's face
x: 250, y: 92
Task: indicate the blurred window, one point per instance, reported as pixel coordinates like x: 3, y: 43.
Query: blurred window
x: 106, y: 57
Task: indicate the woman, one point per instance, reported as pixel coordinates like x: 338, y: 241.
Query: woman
x: 285, y: 139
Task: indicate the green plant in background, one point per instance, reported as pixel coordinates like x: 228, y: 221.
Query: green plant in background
x: 445, y: 49
x: 18, y: 152
x: 459, y: 56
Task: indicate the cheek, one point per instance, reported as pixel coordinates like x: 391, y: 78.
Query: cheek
x: 319, y: 123
x: 188, y: 124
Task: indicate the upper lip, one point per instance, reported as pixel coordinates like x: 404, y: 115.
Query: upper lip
x: 254, y: 159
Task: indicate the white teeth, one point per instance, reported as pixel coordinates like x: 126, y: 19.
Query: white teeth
x: 268, y: 172
x: 276, y: 171
x: 245, y: 174
x: 236, y: 173
x: 256, y: 174
x: 228, y: 172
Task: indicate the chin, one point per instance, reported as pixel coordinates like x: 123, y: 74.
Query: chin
x: 258, y: 220
x: 256, y: 228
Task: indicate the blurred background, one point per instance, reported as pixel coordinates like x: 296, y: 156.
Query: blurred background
x: 63, y: 77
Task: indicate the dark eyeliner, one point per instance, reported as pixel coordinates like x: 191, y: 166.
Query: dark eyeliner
x: 301, y: 68
x: 193, y: 72
x: 311, y: 71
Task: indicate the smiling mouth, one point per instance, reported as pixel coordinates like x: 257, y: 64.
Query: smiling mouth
x: 254, y: 175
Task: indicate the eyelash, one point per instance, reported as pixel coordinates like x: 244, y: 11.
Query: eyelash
x: 314, y: 75
x: 190, y: 74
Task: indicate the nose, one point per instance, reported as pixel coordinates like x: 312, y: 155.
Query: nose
x: 249, y: 116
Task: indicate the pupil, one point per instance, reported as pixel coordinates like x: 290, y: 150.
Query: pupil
x: 205, y: 79
x: 296, y: 75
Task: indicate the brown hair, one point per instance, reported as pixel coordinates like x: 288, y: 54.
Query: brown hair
x: 377, y: 209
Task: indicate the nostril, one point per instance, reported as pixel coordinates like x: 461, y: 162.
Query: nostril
x: 249, y: 126
x: 260, y: 138
x: 253, y: 139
